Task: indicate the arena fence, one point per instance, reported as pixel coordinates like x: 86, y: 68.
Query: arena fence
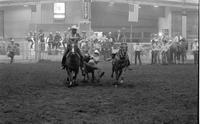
x: 42, y: 51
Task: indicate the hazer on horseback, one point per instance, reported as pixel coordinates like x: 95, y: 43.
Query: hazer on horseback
x: 120, y: 63
x: 73, y: 38
x: 72, y: 58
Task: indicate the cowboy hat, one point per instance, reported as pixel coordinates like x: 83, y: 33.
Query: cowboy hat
x: 74, y: 27
x: 96, y: 51
x: 11, y: 39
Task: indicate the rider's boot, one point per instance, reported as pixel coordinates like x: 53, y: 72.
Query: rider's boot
x: 63, y: 60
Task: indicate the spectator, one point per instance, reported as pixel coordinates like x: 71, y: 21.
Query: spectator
x: 11, y: 50
x: 119, y: 36
x: 138, y: 50
x: 29, y: 38
x: 178, y: 37
x: 153, y: 56
x: 57, y: 39
x: 65, y: 38
x: 50, y: 40
x: 110, y: 38
x: 42, y: 40
x: 195, y: 49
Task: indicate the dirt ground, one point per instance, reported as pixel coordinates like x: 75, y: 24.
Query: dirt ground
x: 151, y: 94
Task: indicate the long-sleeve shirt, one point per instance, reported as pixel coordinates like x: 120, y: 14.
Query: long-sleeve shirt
x: 138, y: 48
x: 195, y: 46
x: 178, y: 38
x: 11, y: 48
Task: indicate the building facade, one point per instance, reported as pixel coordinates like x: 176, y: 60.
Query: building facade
x: 19, y: 17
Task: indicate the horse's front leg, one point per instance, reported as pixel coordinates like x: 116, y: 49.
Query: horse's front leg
x: 121, y: 74
x: 70, y: 78
x: 93, y: 77
x: 183, y: 58
x: 75, y: 79
x: 112, y: 72
x: 11, y: 60
x: 116, y: 78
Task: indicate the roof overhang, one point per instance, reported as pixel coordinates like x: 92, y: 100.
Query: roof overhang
x: 169, y: 3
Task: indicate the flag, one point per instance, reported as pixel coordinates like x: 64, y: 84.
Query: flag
x: 86, y: 5
x: 133, y: 12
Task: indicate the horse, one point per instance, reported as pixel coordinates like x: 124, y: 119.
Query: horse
x: 72, y: 65
x: 119, y: 65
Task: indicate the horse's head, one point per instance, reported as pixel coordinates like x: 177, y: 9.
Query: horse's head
x: 73, y: 49
x: 73, y: 59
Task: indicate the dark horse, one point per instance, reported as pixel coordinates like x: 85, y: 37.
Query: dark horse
x: 119, y: 65
x: 72, y: 65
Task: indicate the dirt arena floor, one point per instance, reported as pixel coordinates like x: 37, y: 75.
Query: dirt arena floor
x: 151, y: 94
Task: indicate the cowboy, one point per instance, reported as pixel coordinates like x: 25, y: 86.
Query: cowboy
x: 110, y: 38
x: 93, y: 62
x: 41, y: 36
x: 30, y: 39
x: 83, y: 44
x: 195, y: 49
x: 57, y: 39
x: 50, y: 39
x: 42, y: 40
x: 119, y: 36
x: 164, y: 50
x: 65, y: 37
x: 11, y: 50
x: 153, y: 53
x: 178, y: 38
x: 73, y: 38
x: 138, y: 50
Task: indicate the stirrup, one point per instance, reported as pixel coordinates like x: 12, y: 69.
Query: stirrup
x: 62, y: 67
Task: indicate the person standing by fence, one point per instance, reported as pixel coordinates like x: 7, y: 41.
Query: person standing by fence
x: 50, y: 40
x: 138, y: 50
x: 30, y: 39
x: 119, y: 36
x: 11, y: 50
x: 195, y: 49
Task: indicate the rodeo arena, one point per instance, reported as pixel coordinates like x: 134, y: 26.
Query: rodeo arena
x: 99, y: 61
